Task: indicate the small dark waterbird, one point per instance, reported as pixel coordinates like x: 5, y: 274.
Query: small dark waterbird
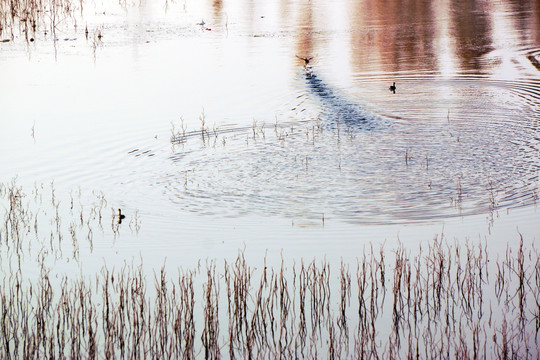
x: 120, y: 216
x: 392, y: 88
x: 306, y: 60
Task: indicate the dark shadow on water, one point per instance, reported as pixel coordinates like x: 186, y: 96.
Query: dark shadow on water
x: 338, y: 110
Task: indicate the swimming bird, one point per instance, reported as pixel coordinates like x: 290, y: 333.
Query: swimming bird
x: 306, y: 60
x: 393, y: 88
x: 120, y: 216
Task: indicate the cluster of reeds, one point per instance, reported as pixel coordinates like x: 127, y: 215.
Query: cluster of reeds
x: 448, y: 301
x: 257, y: 131
x: 452, y: 300
x: 27, y: 17
x: 25, y: 213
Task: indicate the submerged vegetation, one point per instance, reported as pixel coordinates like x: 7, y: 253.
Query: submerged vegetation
x: 452, y: 300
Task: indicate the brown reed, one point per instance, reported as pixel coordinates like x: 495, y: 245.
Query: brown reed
x: 438, y: 307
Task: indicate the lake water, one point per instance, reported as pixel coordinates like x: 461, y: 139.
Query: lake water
x: 289, y: 156
x: 201, y: 122
x: 316, y: 159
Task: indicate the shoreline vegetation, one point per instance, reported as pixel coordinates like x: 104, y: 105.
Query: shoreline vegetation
x: 437, y: 299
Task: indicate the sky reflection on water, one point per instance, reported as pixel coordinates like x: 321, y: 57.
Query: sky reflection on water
x: 466, y: 108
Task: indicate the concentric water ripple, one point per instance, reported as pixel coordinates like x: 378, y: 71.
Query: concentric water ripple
x: 480, y: 155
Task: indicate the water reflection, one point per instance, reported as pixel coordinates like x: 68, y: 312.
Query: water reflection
x: 429, y: 164
x: 471, y: 28
x: 375, y: 36
x: 454, y: 138
x: 338, y: 110
x: 398, y: 38
x: 305, y: 42
x: 217, y: 6
x: 264, y: 148
x: 432, y: 36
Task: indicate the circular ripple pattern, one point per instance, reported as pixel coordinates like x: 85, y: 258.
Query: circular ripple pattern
x: 448, y: 147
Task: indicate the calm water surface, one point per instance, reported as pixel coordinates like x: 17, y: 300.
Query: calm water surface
x: 216, y: 137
